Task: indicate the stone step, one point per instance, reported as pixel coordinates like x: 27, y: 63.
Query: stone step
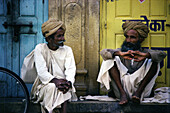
x: 92, y: 107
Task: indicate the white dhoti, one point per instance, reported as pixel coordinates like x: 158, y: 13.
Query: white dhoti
x: 51, y: 64
x: 130, y: 82
x: 50, y: 97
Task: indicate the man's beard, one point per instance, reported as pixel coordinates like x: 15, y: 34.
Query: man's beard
x: 130, y: 46
x: 60, y: 44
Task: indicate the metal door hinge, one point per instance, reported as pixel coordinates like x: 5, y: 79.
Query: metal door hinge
x: 5, y: 24
x: 105, y: 25
x: 17, y: 27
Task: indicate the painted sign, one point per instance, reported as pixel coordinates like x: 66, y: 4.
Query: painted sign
x: 154, y: 25
x: 111, y: 0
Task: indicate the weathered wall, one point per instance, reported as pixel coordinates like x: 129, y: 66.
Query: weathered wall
x: 82, y: 34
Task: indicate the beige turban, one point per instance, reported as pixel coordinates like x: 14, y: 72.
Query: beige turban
x: 140, y: 27
x: 51, y: 26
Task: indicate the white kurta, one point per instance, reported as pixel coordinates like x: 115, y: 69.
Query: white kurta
x: 130, y: 82
x: 52, y: 64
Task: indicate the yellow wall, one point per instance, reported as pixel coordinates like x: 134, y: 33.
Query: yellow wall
x: 112, y: 14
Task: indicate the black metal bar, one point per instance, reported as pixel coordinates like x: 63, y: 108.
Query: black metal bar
x: 17, y: 25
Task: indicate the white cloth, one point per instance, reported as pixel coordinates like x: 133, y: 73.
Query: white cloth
x: 52, y: 64
x: 162, y: 95
x: 98, y: 98
x: 130, y: 82
x: 28, y: 70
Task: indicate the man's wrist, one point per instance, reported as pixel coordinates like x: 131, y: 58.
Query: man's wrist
x: 53, y: 80
x: 117, y: 53
x: 69, y: 83
x: 148, y: 55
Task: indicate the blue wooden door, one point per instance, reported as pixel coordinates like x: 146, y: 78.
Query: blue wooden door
x: 20, y: 31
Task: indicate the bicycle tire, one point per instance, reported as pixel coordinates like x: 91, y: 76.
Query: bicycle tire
x: 20, y: 84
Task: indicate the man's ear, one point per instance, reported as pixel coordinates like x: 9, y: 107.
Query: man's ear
x: 48, y: 39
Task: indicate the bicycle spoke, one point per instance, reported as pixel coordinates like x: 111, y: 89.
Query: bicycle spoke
x: 14, y: 95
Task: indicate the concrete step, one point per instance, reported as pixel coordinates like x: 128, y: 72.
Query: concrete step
x: 113, y: 107
x: 92, y: 107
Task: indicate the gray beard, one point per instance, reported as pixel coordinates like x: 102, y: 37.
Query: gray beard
x: 60, y: 42
x: 130, y: 46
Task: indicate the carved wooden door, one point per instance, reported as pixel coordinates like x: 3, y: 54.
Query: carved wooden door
x: 20, y: 31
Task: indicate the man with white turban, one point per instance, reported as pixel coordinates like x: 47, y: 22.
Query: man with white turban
x: 130, y: 71
x: 55, y: 66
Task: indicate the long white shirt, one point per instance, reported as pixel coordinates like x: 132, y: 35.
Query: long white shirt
x: 62, y: 61
x: 52, y: 64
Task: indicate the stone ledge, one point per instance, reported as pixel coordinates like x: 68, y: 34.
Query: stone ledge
x: 98, y: 107
x: 113, y: 107
x: 93, y: 107
x: 146, y: 108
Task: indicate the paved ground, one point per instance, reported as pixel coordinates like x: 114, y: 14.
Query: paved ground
x: 92, y: 107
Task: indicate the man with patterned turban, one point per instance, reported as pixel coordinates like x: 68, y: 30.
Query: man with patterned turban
x: 55, y: 66
x: 129, y: 72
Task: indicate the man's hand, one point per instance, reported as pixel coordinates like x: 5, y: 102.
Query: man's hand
x: 62, y: 84
x: 140, y: 56
x: 136, y: 55
x: 126, y: 55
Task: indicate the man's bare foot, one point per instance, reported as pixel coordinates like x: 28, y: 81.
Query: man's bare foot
x: 123, y: 100
x: 136, y: 99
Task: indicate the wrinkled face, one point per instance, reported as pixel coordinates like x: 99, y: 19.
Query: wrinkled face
x: 57, y: 39
x: 132, y: 36
x: 131, y: 42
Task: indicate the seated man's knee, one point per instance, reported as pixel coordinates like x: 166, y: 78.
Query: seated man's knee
x: 51, y: 86
x: 115, y: 66
x: 154, y: 65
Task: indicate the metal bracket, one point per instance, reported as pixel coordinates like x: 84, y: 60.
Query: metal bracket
x: 17, y: 29
x: 5, y: 24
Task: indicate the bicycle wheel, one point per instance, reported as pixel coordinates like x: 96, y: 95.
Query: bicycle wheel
x: 14, y: 96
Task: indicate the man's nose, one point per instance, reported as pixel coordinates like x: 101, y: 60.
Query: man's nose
x: 128, y: 39
x: 62, y: 38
